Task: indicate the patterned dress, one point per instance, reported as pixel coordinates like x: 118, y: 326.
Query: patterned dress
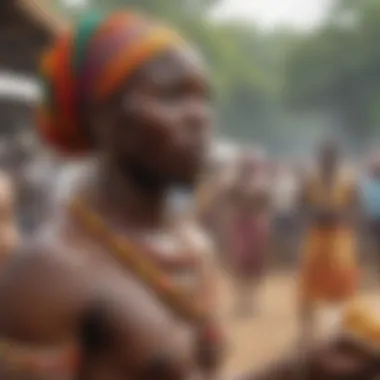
x: 329, y: 270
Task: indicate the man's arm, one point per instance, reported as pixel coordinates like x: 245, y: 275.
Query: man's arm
x: 339, y: 359
x: 40, y: 295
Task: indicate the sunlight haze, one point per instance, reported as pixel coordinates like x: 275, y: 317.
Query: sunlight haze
x: 303, y: 14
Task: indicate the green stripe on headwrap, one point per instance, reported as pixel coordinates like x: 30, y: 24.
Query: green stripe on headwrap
x: 85, y: 31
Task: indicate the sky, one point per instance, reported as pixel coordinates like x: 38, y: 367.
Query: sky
x: 304, y: 14
x: 75, y: 3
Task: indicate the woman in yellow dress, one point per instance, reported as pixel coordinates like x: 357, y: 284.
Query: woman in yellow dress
x: 329, y: 270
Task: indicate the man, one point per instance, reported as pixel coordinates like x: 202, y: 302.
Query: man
x: 339, y: 359
x: 328, y: 271
x: 115, y: 288
x: 137, y: 303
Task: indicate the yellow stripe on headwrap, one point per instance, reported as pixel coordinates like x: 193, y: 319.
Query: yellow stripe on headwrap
x: 128, y: 60
x: 91, y: 62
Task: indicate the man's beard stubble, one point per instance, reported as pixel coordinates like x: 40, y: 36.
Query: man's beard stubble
x: 150, y: 181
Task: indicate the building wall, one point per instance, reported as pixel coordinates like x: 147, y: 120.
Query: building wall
x: 22, y: 41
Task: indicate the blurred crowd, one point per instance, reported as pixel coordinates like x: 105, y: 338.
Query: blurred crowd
x: 114, y: 262
x: 259, y: 213
x: 250, y: 179
x: 246, y: 202
x: 251, y: 174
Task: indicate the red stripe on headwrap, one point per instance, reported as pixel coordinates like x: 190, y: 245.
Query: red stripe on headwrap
x: 63, y: 79
x: 111, y: 51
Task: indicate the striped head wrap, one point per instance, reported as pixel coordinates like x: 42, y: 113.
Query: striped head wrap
x: 90, y: 63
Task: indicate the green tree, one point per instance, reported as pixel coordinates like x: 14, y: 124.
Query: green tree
x: 245, y: 78
x: 336, y: 68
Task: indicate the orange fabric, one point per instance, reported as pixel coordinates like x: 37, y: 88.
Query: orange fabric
x: 361, y: 318
x: 329, y: 271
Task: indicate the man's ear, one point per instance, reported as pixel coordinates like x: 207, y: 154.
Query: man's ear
x: 98, y: 124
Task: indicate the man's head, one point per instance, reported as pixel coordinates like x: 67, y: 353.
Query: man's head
x: 142, y: 101
x: 159, y: 126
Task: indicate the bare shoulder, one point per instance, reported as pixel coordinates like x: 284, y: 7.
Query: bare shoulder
x: 38, y: 286
x: 34, y: 261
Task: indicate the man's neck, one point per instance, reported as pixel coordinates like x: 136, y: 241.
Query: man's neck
x: 122, y: 200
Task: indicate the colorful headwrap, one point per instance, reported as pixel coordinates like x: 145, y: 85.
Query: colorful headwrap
x: 90, y: 63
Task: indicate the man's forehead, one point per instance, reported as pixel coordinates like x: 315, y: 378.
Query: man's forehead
x: 176, y: 61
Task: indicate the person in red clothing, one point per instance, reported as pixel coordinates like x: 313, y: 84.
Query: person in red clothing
x: 329, y: 270
x: 248, y: 230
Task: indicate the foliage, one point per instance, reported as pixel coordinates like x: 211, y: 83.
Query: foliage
x: 235, y: 53
x: 333, y: 71
x: 338, y: 67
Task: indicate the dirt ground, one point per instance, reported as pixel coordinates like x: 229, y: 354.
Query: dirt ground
x: 272, y: 331
x: 256, y: 340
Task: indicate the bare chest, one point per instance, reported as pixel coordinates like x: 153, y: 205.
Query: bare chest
x: 148, y: 337
x: 148, y: 334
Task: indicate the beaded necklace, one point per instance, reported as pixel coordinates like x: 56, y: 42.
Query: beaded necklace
x: 210, y: 340
x: 194, y: 311
x: 167, y: 292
